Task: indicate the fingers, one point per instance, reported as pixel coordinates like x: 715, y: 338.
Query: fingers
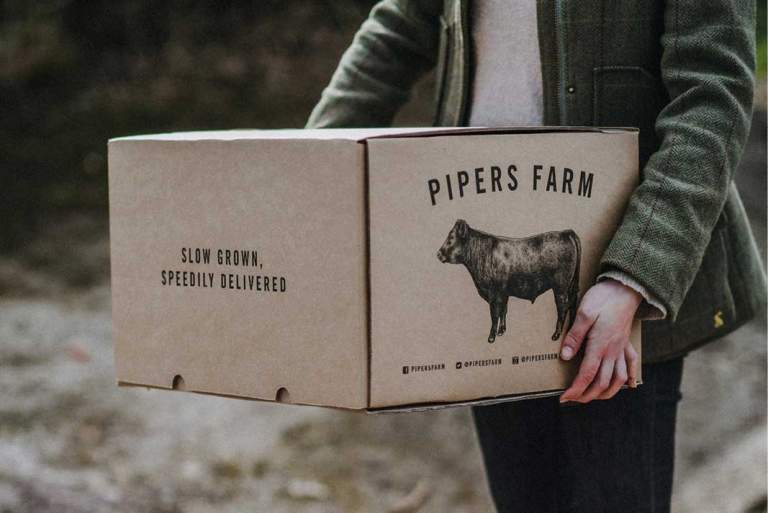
x: 589, y: 368
x: 632, y: 363
x: 575, y: 337
x: 602, y: 378
x: 619, y: 378
x: 601, y: 382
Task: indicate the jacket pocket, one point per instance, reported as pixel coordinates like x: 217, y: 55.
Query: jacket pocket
x: 441, y: 70
x: 628, y: 96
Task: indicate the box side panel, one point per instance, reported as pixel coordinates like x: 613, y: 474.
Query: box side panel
x: 239, y: 266
x: 431, y: 321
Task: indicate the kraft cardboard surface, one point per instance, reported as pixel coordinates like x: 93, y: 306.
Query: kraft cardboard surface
x: 361, y: 268
x: 239, y: 265
x: 430, y: 324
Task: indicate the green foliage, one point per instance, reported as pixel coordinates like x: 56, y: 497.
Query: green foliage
x: 74, y: 73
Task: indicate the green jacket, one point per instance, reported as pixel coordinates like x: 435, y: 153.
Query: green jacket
x: 680, y: 70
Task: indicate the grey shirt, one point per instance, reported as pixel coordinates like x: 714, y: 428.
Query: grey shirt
x: 507, y: 88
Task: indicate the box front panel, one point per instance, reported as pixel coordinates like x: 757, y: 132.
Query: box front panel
x: 471, y: 228
x: 240, y: 266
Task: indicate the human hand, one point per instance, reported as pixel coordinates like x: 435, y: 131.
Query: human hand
x: 604, y: 320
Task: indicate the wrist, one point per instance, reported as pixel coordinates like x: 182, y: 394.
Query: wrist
x: 627, y: 295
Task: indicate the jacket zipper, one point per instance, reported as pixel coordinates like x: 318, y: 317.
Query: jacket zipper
x: 560, y: 46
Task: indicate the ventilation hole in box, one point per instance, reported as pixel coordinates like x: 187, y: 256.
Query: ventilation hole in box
x: 178, y: 383
x: 282, y: 395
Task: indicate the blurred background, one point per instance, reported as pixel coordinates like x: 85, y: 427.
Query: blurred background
x: 74, y: 73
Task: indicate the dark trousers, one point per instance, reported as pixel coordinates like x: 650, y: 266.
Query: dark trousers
x: 613, y: 456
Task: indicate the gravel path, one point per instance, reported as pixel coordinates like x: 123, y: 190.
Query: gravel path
x: 71, y: 441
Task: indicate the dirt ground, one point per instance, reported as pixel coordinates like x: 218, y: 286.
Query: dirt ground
x: 71, y: 441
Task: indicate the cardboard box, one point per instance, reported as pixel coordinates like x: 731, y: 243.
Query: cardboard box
x: 361, y: 268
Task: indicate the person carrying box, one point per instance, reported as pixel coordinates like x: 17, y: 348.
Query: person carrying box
x: 683, y: 259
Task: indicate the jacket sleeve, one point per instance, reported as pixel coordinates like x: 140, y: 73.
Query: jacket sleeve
x: 393, y: 48
x: 707, y: 66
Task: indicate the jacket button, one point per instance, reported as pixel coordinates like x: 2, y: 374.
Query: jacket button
x: 571, y: 89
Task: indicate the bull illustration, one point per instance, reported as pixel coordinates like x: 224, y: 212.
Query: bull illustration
x: 524, y: 268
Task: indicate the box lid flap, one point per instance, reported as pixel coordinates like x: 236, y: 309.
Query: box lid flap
x: 353, y: 134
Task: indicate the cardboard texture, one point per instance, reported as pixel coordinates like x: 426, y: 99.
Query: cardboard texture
x: 387, y: 269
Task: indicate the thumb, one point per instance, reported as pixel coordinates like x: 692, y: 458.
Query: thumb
x: 575, y: 337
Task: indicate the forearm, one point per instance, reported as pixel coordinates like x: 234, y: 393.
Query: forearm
x: 393, y: 48
x: 707, y: 67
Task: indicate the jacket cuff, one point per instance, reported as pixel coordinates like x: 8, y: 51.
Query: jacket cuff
x: 651, y: 308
